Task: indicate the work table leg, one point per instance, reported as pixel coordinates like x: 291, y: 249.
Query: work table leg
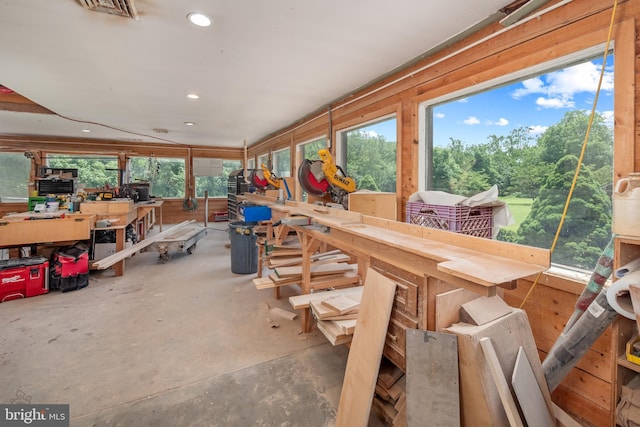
x: 120, y: 237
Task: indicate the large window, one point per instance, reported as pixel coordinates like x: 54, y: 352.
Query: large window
x: 263, y: 158
x: 369, y: 153
x: 282, y: 163
x: 217, y: 185
x: 525, y: 136
x: 251, y: 163
x: 14, y: 177
x: 94, y: 171
x: 166, y: 176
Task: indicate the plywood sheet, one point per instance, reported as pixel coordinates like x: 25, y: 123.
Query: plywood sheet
x: 500, y: 381
x: 530, y: 397
x: 432, y: 379
x: 365, y: 353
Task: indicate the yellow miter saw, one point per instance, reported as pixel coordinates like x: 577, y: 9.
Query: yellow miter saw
x: 321, y: 177
x: 262, y: 178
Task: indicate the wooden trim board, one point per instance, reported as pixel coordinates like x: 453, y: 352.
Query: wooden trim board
x: 365, y: 353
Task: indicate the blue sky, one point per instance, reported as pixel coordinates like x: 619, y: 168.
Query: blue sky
x: 536, y: 103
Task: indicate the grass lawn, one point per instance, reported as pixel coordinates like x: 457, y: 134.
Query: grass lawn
x: 519, y: 208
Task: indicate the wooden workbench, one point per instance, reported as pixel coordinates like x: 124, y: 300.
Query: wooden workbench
x: 30, y: 228
x: 425, y: 262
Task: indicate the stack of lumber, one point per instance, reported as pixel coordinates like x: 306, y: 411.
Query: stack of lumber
x: 328, y: 270
x: 389, y: 400
x: 335, y: 311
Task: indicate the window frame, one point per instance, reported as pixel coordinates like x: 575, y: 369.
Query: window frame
x: 341, y: 142
x: 176, y: 158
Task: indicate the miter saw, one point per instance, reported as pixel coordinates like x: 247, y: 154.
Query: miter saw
x: 262, y: 178
x: 321, y: 177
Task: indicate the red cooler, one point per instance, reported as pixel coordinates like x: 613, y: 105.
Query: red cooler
x: 23, y: 277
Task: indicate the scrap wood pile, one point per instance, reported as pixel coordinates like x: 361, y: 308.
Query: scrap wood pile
x: 328, y: 269
x: 335, y: 311
x: 390, y: 399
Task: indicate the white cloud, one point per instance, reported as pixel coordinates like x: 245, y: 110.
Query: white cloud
x: 472, y: 120
x: 463, y: 100
x: 554, y: 102
x: 559, y: 87
x: 439, y: 115
x: 370, y: 133
x: 537, y: 129
x: 501, y: 122
x: 608, y: 118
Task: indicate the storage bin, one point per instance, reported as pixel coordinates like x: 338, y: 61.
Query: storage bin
x: 23, y: 277
x: 474, y: 221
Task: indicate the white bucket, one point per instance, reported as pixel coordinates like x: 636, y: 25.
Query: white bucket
x: 626, y: 206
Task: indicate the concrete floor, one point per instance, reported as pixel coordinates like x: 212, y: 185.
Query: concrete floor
x: 187, y: 343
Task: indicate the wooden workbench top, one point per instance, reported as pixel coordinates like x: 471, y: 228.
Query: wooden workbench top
x: 485, y: 262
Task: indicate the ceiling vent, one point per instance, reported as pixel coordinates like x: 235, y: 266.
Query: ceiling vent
x: 124, y: 8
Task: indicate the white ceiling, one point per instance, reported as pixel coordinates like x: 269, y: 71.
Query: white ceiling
x: 261, y: 65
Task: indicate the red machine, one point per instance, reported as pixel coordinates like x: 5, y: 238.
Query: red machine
x: 23, y: 277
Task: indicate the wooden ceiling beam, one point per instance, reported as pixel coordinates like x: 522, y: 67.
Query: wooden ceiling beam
x: 20, y: 104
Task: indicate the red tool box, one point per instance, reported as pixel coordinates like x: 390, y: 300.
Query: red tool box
x: 23, y: 277
x: 69, y: 269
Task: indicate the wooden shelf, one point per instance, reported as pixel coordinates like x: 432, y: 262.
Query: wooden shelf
x: 622, y: 361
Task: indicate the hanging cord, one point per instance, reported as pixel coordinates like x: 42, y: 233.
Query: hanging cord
x: 582, y: 151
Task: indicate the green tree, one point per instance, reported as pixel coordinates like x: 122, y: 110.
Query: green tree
x: 587, y: 226
x: 567, y: 137
x: 374, y: 156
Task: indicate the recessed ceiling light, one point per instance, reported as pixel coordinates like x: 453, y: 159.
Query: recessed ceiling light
x: 193, y: 96
x: 189, y: 123
x: 199, y: 19
x: 86, y: 130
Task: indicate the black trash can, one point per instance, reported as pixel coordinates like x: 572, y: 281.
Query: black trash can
x: 244, y: 251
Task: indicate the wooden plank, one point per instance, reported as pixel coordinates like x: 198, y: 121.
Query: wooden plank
x: 302, y: 301
x: 346, y: 326
x: 484, y: 310
x: 501, y: 383
x: 321, y: 311
x: 448, y: 305
x: 530, y: 397
x: 481, y: 404
x: 263, y: 283
x: 432, y: 379
x: 365, y: 353
x: 389, y: 374
x: 333, y: 334
x: 488, y: 270
x: 316, y: 270
x: 324, y: 282
x: 121, y: 255
x: 341, y: 304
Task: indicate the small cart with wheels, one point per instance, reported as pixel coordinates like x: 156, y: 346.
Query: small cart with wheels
x: 183, y: 239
